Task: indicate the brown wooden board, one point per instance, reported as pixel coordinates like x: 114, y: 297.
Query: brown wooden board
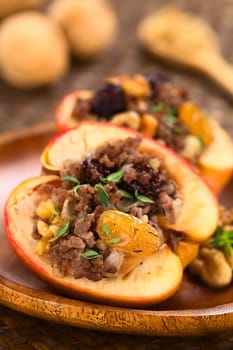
x: 28, y: 108
x: 193, y: 310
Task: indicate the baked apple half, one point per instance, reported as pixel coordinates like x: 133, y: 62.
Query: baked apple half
x: 160, y: 109
x: 198, y: 202
x: 74, y: 144
x: 96, y: 267
x: 108, y: 225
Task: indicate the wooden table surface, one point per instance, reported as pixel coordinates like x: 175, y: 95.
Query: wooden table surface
x: 19, y: 109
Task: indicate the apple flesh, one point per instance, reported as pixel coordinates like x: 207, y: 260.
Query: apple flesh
x: 64, y: 119
x: 198, y: 215
x: 215, y: 163
x: 154, y: 280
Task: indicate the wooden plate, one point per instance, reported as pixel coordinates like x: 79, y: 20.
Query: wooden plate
x: 193, y: 310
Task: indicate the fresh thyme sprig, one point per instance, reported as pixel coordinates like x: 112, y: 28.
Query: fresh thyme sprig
x: 223, y: 239
x: 73, y: 180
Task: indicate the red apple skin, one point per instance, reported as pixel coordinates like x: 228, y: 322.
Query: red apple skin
x: 63, y: 116
x: 63, y: 120
x: 216, y: 177
x: 197, y: 232
x: 166, y: 269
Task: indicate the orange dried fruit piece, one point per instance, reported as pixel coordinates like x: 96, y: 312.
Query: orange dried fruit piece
x: 215, y: 163
x: 128, y: 233
x: 196, y: 120
x: 149, y: 124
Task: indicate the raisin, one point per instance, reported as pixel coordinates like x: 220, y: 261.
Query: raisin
x: 151, y: 189
x: 109, y: 100
x: 92, y: 171
x: 154, y: 80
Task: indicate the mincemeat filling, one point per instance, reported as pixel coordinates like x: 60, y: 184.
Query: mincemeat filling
x: 115, y: 177
x: 154, y: 101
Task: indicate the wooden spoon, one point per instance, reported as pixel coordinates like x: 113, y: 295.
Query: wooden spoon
x: 187, y: 40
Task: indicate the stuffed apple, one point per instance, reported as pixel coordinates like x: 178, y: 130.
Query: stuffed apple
x: 72, y: 146
x: 111, y: 221
x: 160, y: 109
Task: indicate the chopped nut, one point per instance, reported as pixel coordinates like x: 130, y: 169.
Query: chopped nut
x: 130, y: 119
x: 34, y: 66
x: 192, y: 147
x: 145, y: 219
x: 155, y: 163
x: 42, y: 247
x: 89, y: 26
x: 42, y: 228
x: 45, y: 209
x: 142, y: 105
x: 212, y: 267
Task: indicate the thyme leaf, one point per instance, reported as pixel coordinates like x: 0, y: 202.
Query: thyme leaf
x: 106, y: 229
x: 74, y: 181
x: 114, y: 177
x: 223, y: 239
x: 170, y: 118
x: 126, y: 194
x: 103, y: 195
x: 170, y: 115
x: 142, y: 198
x: 201, y: 140
x: 90, y: 254
x: 82, y: 217
x: 76, y: 189
x: 52, y: 216
x: 63, y: 230
x: 170, y: 111
x: 71, y: 179
x: 157, y: 108
x: 115, y: 240
x: 178, y: 131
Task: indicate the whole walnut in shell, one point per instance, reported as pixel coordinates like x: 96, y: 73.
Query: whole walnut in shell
x: 10, y: 6
x: 89, y: 25
x: 33, y: 50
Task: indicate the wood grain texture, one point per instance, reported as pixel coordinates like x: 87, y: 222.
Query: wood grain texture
x: 30, y: 108
x: 22, y: 332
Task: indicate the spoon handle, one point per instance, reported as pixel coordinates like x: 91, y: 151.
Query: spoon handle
x: 220, y: 70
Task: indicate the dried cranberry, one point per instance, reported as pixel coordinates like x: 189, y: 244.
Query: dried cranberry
x: 92, y: 171
x: 109, y: 99
x: 155, y: 79
x: 150, y: 189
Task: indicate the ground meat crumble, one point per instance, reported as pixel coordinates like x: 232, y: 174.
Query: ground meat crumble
x: 140, y: 190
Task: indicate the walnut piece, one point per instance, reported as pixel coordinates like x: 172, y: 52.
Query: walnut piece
x: 212, y: 267
x: 33, y: 50
x: 8, y: 7
x: 89, y: 25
